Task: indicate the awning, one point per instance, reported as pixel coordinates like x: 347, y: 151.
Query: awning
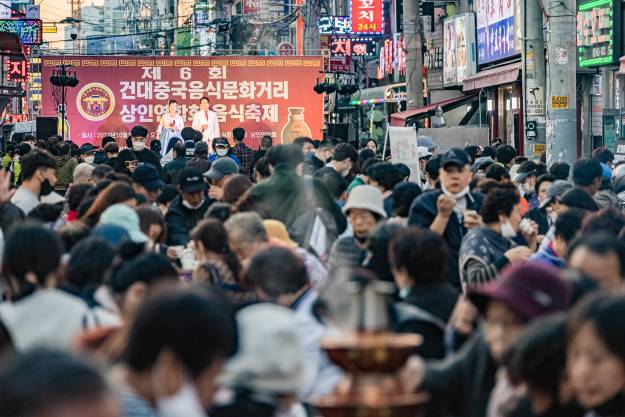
x: 495, y: 76
x: 11, y: 45
x: 399, y: 119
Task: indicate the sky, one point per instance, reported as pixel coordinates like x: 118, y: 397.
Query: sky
x: 55, y: 11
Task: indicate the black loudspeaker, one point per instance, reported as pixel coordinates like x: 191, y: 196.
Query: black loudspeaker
x: 46, y: 127
x: 337, y: 130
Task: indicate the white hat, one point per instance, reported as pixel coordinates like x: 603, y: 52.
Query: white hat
x: 423, y: 152
x: 125, y: 217
x: 270, y: 358
x: 366, y: 197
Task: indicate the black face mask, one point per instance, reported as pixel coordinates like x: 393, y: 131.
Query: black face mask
x: 46, y: 187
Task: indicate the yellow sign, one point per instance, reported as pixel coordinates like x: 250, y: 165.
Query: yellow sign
x: 559, y: 102
x: 539, y: 148
x: 49, y: 29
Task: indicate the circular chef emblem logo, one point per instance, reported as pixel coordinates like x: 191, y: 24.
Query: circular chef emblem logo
x: 95, y: 102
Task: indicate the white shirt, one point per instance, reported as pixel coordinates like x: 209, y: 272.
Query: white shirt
x: 166, y: 121
x: 206, y: 118
x: 25, y: 199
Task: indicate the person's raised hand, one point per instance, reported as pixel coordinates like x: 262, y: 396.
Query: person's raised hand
x: 445, y: 205
x: 5, y: 186
x: 518, y: 254
x: 472, y: 219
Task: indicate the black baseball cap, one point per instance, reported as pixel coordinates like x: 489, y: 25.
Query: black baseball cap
x: 220, y: 142
x: 147, y: 176
x: 201, y: 147
x: 87, y: 148
x: 454, y: 156
x: 190, y: 180
x: 139, y: 132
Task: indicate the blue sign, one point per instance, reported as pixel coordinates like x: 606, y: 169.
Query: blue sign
x: 29, y: 31
x: 496, y: 41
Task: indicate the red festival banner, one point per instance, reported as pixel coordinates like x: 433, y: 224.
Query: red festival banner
x: 367, y: 16
x: 264, y: 95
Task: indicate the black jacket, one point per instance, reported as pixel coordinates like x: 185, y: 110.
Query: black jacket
x: 461, y: 385
x: 146, y: 156
x: 436, y: 299
x: 312, y: 164
x: 199, y: 164
x: 181, y: 220
x: 540, y: 217
x: 172, y: 169
x: 423, y: 211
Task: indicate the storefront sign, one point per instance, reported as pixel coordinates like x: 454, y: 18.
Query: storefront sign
x: 560, y: 102
x: 17, y: 70
x: 367, y: 16
x: 495, y: 30
x: 339, y: 64
x: 334, y: 25
x: 263, y: 95
x: 459, y: 49
x: 539, y: 149
x: 392, y: 57
x: 29, y: 31
x: 598, y: 32
x: 251, y: 7
x: 352, y: 46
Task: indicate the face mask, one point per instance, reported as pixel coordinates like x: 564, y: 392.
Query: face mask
x: 526, y: 189
x: 89, y: 159
x: 138, y: 145
x: 456, y: 196
x: 347, y: 171
x: 191, y: 207
x: 46, y: 187
x: 507, y: 230
x: 184, y: 403
x: 222, y: 151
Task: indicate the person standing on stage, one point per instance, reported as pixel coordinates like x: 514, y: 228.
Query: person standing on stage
x: 206, y: 122
x: 170, y: 125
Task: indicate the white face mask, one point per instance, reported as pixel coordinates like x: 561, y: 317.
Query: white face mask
x: 526, y: 189
x: 184, y: 403
x: 507, y: 230
x: 138, y: 145
x: 222, y: 151
x: 189, y: 206
x: 89, y: 159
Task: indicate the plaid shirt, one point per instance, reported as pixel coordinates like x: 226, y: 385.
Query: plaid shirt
x: 245, y: 154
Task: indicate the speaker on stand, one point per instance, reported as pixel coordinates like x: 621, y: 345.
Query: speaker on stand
x: 46, y: 127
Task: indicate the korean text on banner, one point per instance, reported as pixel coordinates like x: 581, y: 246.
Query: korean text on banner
x: 495, y: 30
x: 367, y: 16
x: 264, y: 95
x: 404, y: 149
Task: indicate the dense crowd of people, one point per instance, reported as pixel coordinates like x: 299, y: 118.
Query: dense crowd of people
x: 187, y: 282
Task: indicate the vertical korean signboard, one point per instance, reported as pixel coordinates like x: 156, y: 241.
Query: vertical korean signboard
x: 598, y: 32
x: 264, y: 95
x: 496, y: 31
x: 459, y: 49
x: 367, y: 16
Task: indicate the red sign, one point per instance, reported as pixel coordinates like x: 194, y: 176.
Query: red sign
x: 285, y: 48
x: 17, y: 70
x: 339, y: 64
x: 367, y: 16
x: 264, y: 95
x: 358, y: 46
x: 251, y: 6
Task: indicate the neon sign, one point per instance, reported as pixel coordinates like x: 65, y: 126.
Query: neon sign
x: 356, y: 46
x: 598, y: 32
x: 29, y: 31
x: 334, y: 25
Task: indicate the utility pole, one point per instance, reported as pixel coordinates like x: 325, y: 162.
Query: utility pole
x: 561, y: 129
x: 533, y: 76
x: 414, y: 56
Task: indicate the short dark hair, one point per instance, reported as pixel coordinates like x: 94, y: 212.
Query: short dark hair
x: 277, y: 271
x: 578, y: 198
x: 214, y: 237
x: 345, y: 151
x: 285, y: 154
x: 601, y: 243
x: 538, y: 356
x: 505, y: 154
x: 403, y: 169
x: 603, y: 155
x: 499, y: 199
x: 76, y: 193
x: 423, y: 244
x: 148, y: 268
x: 111, y: 147
x: 472, y: 151
x: 266, y: 141
x: 336, y: 183
x: 300, y: 141
x: 432, y: 167
x: 488, y: 151
x: 606, y: 313
x: 39, y: 381
x: 567, y: 224
x: 543, y: 178
x: 385, y: 174
x: 89, y: 261
x: 181, y: 149
x: 262, y: 166
x: 171, y: 101
x: 238, y: 133
x: 35, y: 159
x: 560, y: 170
x: 329, y: 143
x: 106, y: 140
x: 196, y: 325
x: 609, y: 220
x: 404, y: 194
x: 205, y: 98
x: 187, y: 133
x: 497, y: 172
x: 101, y: 171
x: 46, y: 212
x: 31, y: 247
x: 586, y: 171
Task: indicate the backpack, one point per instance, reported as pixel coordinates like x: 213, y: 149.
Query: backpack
x: 314, y: 228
